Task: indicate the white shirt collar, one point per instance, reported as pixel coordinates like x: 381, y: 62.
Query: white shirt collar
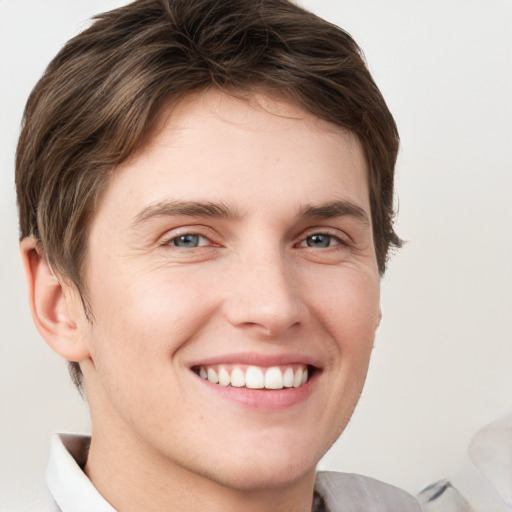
x: 70, y: 487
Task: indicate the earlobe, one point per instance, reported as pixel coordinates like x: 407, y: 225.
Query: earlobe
x: 55, y: 305
x: 377, y: 324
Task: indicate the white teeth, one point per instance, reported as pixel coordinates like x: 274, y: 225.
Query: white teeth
x: 288, y: 378
x: 224, y: 377
x: 297, y: 379
x: 255, y: 377
x: 212, y: 376
x: 273, y: 378
x: 237, y: 378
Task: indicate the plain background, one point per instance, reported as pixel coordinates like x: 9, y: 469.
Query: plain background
x: 442, y: 366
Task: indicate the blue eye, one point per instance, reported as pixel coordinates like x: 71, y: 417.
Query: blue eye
x: 320, y: 241
x: 188, y: 241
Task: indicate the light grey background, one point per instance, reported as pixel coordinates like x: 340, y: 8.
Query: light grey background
x: 442, y: 366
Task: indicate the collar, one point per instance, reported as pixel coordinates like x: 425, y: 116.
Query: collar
x: 70, y: 487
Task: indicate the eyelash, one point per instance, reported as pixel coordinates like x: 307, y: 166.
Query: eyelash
x: 339, y: 241
x: 170, y: 241
x: 302, y: 243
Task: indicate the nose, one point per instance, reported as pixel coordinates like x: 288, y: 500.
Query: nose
x: 264, y: 296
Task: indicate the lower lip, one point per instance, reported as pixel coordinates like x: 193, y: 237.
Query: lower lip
x: 263, y: 399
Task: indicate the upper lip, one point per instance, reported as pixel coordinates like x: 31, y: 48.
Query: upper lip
x: 257, y: 359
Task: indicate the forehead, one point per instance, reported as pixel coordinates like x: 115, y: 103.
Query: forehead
x: 218, y: 146
x: 252, y: 113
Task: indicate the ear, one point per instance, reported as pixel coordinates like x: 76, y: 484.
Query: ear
x: 379, y: 318
x: 55, y: 304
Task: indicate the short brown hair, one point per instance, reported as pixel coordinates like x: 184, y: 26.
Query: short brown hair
x: 101, y: 95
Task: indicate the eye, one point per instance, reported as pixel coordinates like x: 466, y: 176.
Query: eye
x: 188, y: 241
x: 321, y: 241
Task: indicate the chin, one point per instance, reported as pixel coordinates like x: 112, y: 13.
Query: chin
x: 268, y: 466
x: 262, y: 475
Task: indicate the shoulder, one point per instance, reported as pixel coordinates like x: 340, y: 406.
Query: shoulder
x: 349, y: 492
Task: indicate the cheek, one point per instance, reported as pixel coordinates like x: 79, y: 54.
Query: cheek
x: 348, y: 306
x: 142, y: 320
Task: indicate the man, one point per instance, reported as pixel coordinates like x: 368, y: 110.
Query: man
x: 205, y: 193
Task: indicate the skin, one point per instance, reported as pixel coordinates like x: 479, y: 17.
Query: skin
x: 257, y: 285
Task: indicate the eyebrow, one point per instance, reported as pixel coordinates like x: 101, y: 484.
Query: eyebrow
x: 342, y: 208
x: 187, y: 208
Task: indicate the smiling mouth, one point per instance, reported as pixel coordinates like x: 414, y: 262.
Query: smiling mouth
x: 256, y: 377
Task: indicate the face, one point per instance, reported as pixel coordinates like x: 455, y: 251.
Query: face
x: 235, y: 293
